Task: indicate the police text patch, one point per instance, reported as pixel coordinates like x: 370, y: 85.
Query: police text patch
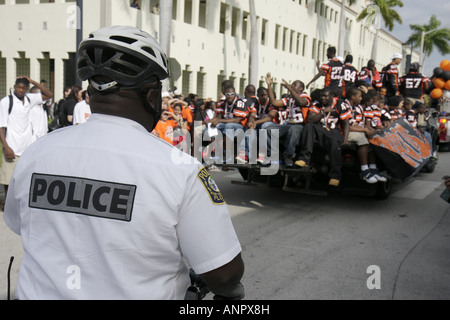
x: 95, y: 198
x: 211, y: 187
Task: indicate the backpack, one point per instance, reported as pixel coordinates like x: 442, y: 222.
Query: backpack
x: 58, y: 116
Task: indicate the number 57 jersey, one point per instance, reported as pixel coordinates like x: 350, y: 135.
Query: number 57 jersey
x: 413, y: 85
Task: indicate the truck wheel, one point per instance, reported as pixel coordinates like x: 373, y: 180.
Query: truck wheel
x: 384, y: 190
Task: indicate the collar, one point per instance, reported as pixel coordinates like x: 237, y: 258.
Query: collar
x: 115, y: 120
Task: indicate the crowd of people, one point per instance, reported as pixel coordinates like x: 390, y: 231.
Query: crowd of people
x: 350, y: 109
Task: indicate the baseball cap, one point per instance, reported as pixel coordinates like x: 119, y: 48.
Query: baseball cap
x: 397, y: 56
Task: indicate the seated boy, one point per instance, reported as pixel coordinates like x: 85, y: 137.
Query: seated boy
x: 328, y: 123
x: 360, y: 133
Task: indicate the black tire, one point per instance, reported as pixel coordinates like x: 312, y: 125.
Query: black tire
x: 384, y: 190
x: 429, y: 167
x: 444, y: 147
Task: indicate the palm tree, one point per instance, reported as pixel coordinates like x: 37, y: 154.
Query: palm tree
x: 436, y: 38
x: 254, y: 54
x: 165, y: 31
x: 342, y: 32
x: 382, y: 9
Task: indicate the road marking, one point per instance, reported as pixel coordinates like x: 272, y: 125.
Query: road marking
x: 417, y: 190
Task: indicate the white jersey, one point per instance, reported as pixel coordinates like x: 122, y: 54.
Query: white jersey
x: 19, y: 131
x: 81, y: 112
x: 108, y: 211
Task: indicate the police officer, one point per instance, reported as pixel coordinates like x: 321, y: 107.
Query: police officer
x: 413, y: 85
x: 108, y: 211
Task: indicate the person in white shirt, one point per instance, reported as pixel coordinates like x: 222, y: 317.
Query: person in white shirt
x: 118, y: 213
x: 38, y: 118
x: 16, y: 133
x: 82, y: 110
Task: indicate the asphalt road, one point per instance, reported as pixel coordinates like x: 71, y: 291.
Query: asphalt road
x: 309, y: 247
x: 299, y: 247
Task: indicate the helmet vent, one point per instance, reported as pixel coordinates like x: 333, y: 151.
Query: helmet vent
x: 149, y: 50
x: 123, y: 39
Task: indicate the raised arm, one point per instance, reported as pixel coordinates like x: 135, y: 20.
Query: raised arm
x: 273, y: 101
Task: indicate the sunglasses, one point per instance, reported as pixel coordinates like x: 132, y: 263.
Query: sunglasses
x: 229, y: 94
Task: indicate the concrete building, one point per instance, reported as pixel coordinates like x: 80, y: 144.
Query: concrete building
x: 210, y: 39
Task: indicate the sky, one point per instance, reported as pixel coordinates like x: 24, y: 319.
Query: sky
x: 420, y: 12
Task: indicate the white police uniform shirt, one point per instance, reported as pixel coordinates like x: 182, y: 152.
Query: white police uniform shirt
x: 19, y: 131
x: 108, y: 211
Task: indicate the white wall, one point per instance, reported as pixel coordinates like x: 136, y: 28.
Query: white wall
x: 195, y: 48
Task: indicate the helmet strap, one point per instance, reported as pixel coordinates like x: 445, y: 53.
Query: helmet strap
x: 154, y: 111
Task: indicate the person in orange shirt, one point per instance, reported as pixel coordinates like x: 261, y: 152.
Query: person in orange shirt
x: 164, y: 128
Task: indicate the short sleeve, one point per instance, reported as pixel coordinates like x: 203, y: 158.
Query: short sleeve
x: 4, y: 105
x: 35, y: 99
x: 206, y: 234
x: 12, y: 211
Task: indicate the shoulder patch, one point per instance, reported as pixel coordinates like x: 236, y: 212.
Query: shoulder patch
x: 211, y: 187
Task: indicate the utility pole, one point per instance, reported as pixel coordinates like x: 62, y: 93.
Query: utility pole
x: 79, y: 36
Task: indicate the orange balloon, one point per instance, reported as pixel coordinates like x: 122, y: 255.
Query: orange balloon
x: 439, y: 83
x: 445, y: 65
x: 436, y: 93
x: 447, y: 85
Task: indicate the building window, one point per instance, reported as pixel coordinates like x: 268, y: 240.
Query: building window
x: 245, y: 23
x: 313, y: 54
x: 264, y: 32
x: 235, y: 21
x: 22, y: 65
x: 223, y: 17
x: 277, y: 36
x: 188, y: 11
x: 202, y: 14
x: 201, y: 80
x: 2, y: 76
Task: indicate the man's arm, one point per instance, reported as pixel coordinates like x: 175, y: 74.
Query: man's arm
x: 225, y: 281
x: 302, y: 102
x: 317, y: 76
x: 9, y: 153
x: 46, y: 93
x: 345, y: 131
x: 273, y: 101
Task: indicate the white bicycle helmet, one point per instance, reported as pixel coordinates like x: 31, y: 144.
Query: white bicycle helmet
x: 126, y: 55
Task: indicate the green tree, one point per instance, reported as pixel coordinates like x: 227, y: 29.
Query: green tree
x: 381, y: 10
x: 435, y: 38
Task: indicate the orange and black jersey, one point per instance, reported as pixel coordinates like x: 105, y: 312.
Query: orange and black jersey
x: 413, y: 85
x: 332, y: 71
x: 390, y: 79
x: 357, y: 112
x: 293, y: 113
x: 263, y: 110
x: 237, y: 109
x: 348, y: 77
x: 391, y: 115
x: 341, y: 112
x: 373, y: 113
